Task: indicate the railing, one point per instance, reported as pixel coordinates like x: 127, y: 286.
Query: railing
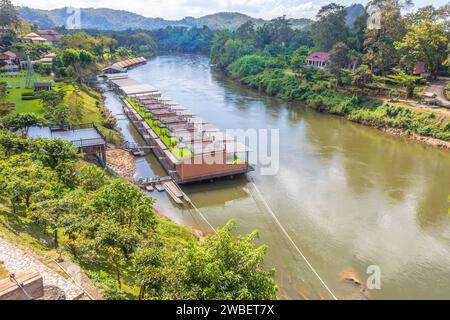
x: 81, y: 143
x: 78, y: 127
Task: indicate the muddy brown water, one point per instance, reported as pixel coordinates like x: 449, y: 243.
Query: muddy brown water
x: 349, y: 196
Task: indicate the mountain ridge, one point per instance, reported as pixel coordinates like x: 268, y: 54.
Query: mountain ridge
x: 119, y: 20
x: 111, y: 19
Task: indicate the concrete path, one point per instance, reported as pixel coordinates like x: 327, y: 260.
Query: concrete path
x: 17, y: 260
x: 437, y: 87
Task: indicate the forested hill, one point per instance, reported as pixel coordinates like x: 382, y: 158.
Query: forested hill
x: 109, y: 19
x: 353, y: 12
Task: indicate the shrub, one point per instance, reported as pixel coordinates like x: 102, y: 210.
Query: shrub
x: 247, y: 66
x: 27, y: 98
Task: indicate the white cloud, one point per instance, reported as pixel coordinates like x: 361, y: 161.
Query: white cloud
x: 177, y: 9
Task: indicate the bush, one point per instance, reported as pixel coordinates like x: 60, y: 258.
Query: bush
x: 27, y: 98
x: 247, y: 66
x: 29, y: 95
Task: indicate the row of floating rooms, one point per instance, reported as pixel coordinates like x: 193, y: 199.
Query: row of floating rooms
x: 188, y: 147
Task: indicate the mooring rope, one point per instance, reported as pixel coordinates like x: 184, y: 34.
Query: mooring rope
x: 202, y: 216
x: 290, y: 239
x: 12, y: 278
x: 282, y: 229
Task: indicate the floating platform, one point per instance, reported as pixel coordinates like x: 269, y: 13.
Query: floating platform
x: 159, y: 187
x: 164, y: 184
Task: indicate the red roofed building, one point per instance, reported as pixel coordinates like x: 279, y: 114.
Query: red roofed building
x: 318, y: 59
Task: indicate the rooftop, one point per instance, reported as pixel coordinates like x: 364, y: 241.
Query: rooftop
x: 318, y: 56
x: 83, y: 137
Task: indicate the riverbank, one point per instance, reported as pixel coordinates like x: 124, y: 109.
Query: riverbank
x: 427, y: 127
x: 122, y: 162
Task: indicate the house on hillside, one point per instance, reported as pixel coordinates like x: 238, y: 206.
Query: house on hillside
x: 34, y: 38
x: 9, y: 61
x: 320, y: 60
x: 50, y: 35
x: 47, y: 59
x: 9, y: 57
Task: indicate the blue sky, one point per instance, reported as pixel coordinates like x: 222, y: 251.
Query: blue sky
x: 176, y: 9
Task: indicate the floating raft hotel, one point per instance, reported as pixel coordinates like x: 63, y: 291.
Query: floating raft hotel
x: 188, y: 147
x: 123, y: 66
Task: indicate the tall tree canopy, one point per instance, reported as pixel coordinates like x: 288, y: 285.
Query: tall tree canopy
x: 8, y: 14
x: 425, y: 40
x: 330, y: 27
x: 381, y: 54
x: 226, y: 267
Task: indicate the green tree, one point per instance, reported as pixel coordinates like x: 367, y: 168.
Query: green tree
x: 226, y: 267
x: 357, y: 33
x: 403, y: 79
x: 79, y: 220
x: 425, y: 40
x: 81, y: 61
x: 136, y: 215
x: 115, y: 243
x: 23, y: 178
x: 50, y: 213
x: 8, y: 14
x: 246, y: 32
x: 362, y: 77
x: 12, y: 143
x: 298, y: 58
x: 330, y: 27
x: 60, y: 115
x: 50, y: 99
x: 92, y: 177
x: 54, y: 152
x: 381, y: 54
x: 339, y: 59
x: 149, y: 268
x: 247, y: 66
x: 21, y: 121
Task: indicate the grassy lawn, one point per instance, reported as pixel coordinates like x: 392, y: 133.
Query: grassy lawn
x: 86, y: 106
x: 15, y: 94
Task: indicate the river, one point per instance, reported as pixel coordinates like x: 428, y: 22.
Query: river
x: 349, y: 196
